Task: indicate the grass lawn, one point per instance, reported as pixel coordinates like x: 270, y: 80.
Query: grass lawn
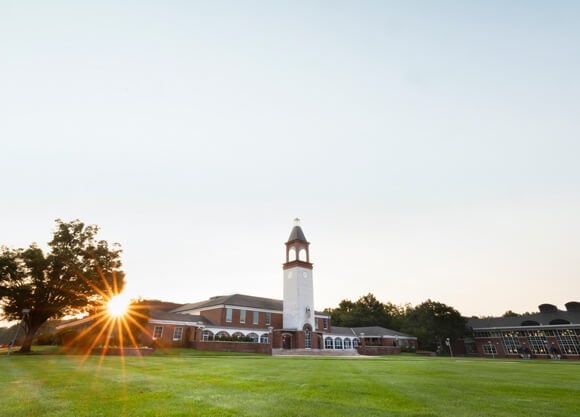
x: 189, y: 383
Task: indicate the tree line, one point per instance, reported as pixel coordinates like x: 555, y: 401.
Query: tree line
x: 431, y: 322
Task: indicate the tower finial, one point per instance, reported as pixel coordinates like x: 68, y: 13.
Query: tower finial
x: 297, y: 221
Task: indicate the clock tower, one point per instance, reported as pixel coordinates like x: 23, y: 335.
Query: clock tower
x: 298, y: 284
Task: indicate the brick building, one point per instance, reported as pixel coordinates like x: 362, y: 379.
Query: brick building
x: 551, y: 333
x: 246, y: 323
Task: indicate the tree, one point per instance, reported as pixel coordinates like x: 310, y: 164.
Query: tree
x: 510, y: 313
x: 367, y: 311
x: 76, y: 275
x: 433, y: 322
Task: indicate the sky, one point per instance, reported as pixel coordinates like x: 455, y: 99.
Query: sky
x: 430, y: 148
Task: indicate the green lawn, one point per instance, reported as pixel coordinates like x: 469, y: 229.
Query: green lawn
x: 187, y: 383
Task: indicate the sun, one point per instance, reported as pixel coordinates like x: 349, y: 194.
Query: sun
x: 118, y: 305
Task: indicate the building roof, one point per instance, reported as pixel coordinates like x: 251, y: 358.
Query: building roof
x: 297, y: 234
x: 546, y: 317
x: 370, y: 331
x: 177, y: 317
x: 237, y: 300
x: 160, y: 305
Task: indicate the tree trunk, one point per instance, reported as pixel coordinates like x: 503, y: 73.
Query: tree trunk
x: 27, y: 342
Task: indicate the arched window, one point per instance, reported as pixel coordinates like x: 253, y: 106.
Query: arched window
x: 222, y: 335
x: 292, y: 254
x: 237, y: 335
x: 347, y: 344
x: 264, y: 338
x: 302, y: 255
x: 328, y: 343
x: 337, y: 343
x: 355, y: 343
x: 207, y: 335
x: 254, y: 337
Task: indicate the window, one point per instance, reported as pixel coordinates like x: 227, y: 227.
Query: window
x: 337, y: 343
x: 207, y: 335
x: 328, y: 343
x: 307, y: 339
x: 256, y: 317
x: 347, y: 344
x: 157, y: 332
x: 538, y: 344
x: 325, y: 323
x: 511, y: 342
x: 355, y: 343
x: 242, y: 316
x: 568, y: 342
x: 489, y: 349
x: 264, y: 338
x: 177, y: 333
x: 268, y: 318
x: 254, y: 337
x: 228, y: 315
x: 222, y: 335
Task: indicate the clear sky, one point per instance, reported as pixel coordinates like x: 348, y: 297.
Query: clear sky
x: 431, y: 148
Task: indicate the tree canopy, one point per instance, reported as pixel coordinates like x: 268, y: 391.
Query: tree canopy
x: 367, y: 311
x: 431, y: 322
x: 77, y: 274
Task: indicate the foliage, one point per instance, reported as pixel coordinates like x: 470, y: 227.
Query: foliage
x: 510, y: 313
x: 433, y: 322
x: 188, y: 383
x: 367, y: 311
x: 7, y: 334
x: 77, y: 274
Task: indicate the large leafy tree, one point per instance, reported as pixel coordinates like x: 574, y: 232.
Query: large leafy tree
x: 367, y: 311
x: 433, y: 322
x: 77, y: 274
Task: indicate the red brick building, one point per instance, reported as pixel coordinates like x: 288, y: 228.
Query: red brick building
x: 247, y: 323
x: 551, y: 333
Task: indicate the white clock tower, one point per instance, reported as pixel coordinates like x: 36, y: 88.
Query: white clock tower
x: 298, y: 284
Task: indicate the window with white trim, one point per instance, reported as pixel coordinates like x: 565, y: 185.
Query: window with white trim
x: 268, y: 318
x: 328, y: 343
x: 177, y: 333
x: 325, y: 323
x: 157, y: 332
x: 255, y: 317
x: 228, y: 315
x: 242, y: 316
x: 264, y: 338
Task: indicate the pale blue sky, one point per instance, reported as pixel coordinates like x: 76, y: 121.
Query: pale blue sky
x: 430, y: 147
